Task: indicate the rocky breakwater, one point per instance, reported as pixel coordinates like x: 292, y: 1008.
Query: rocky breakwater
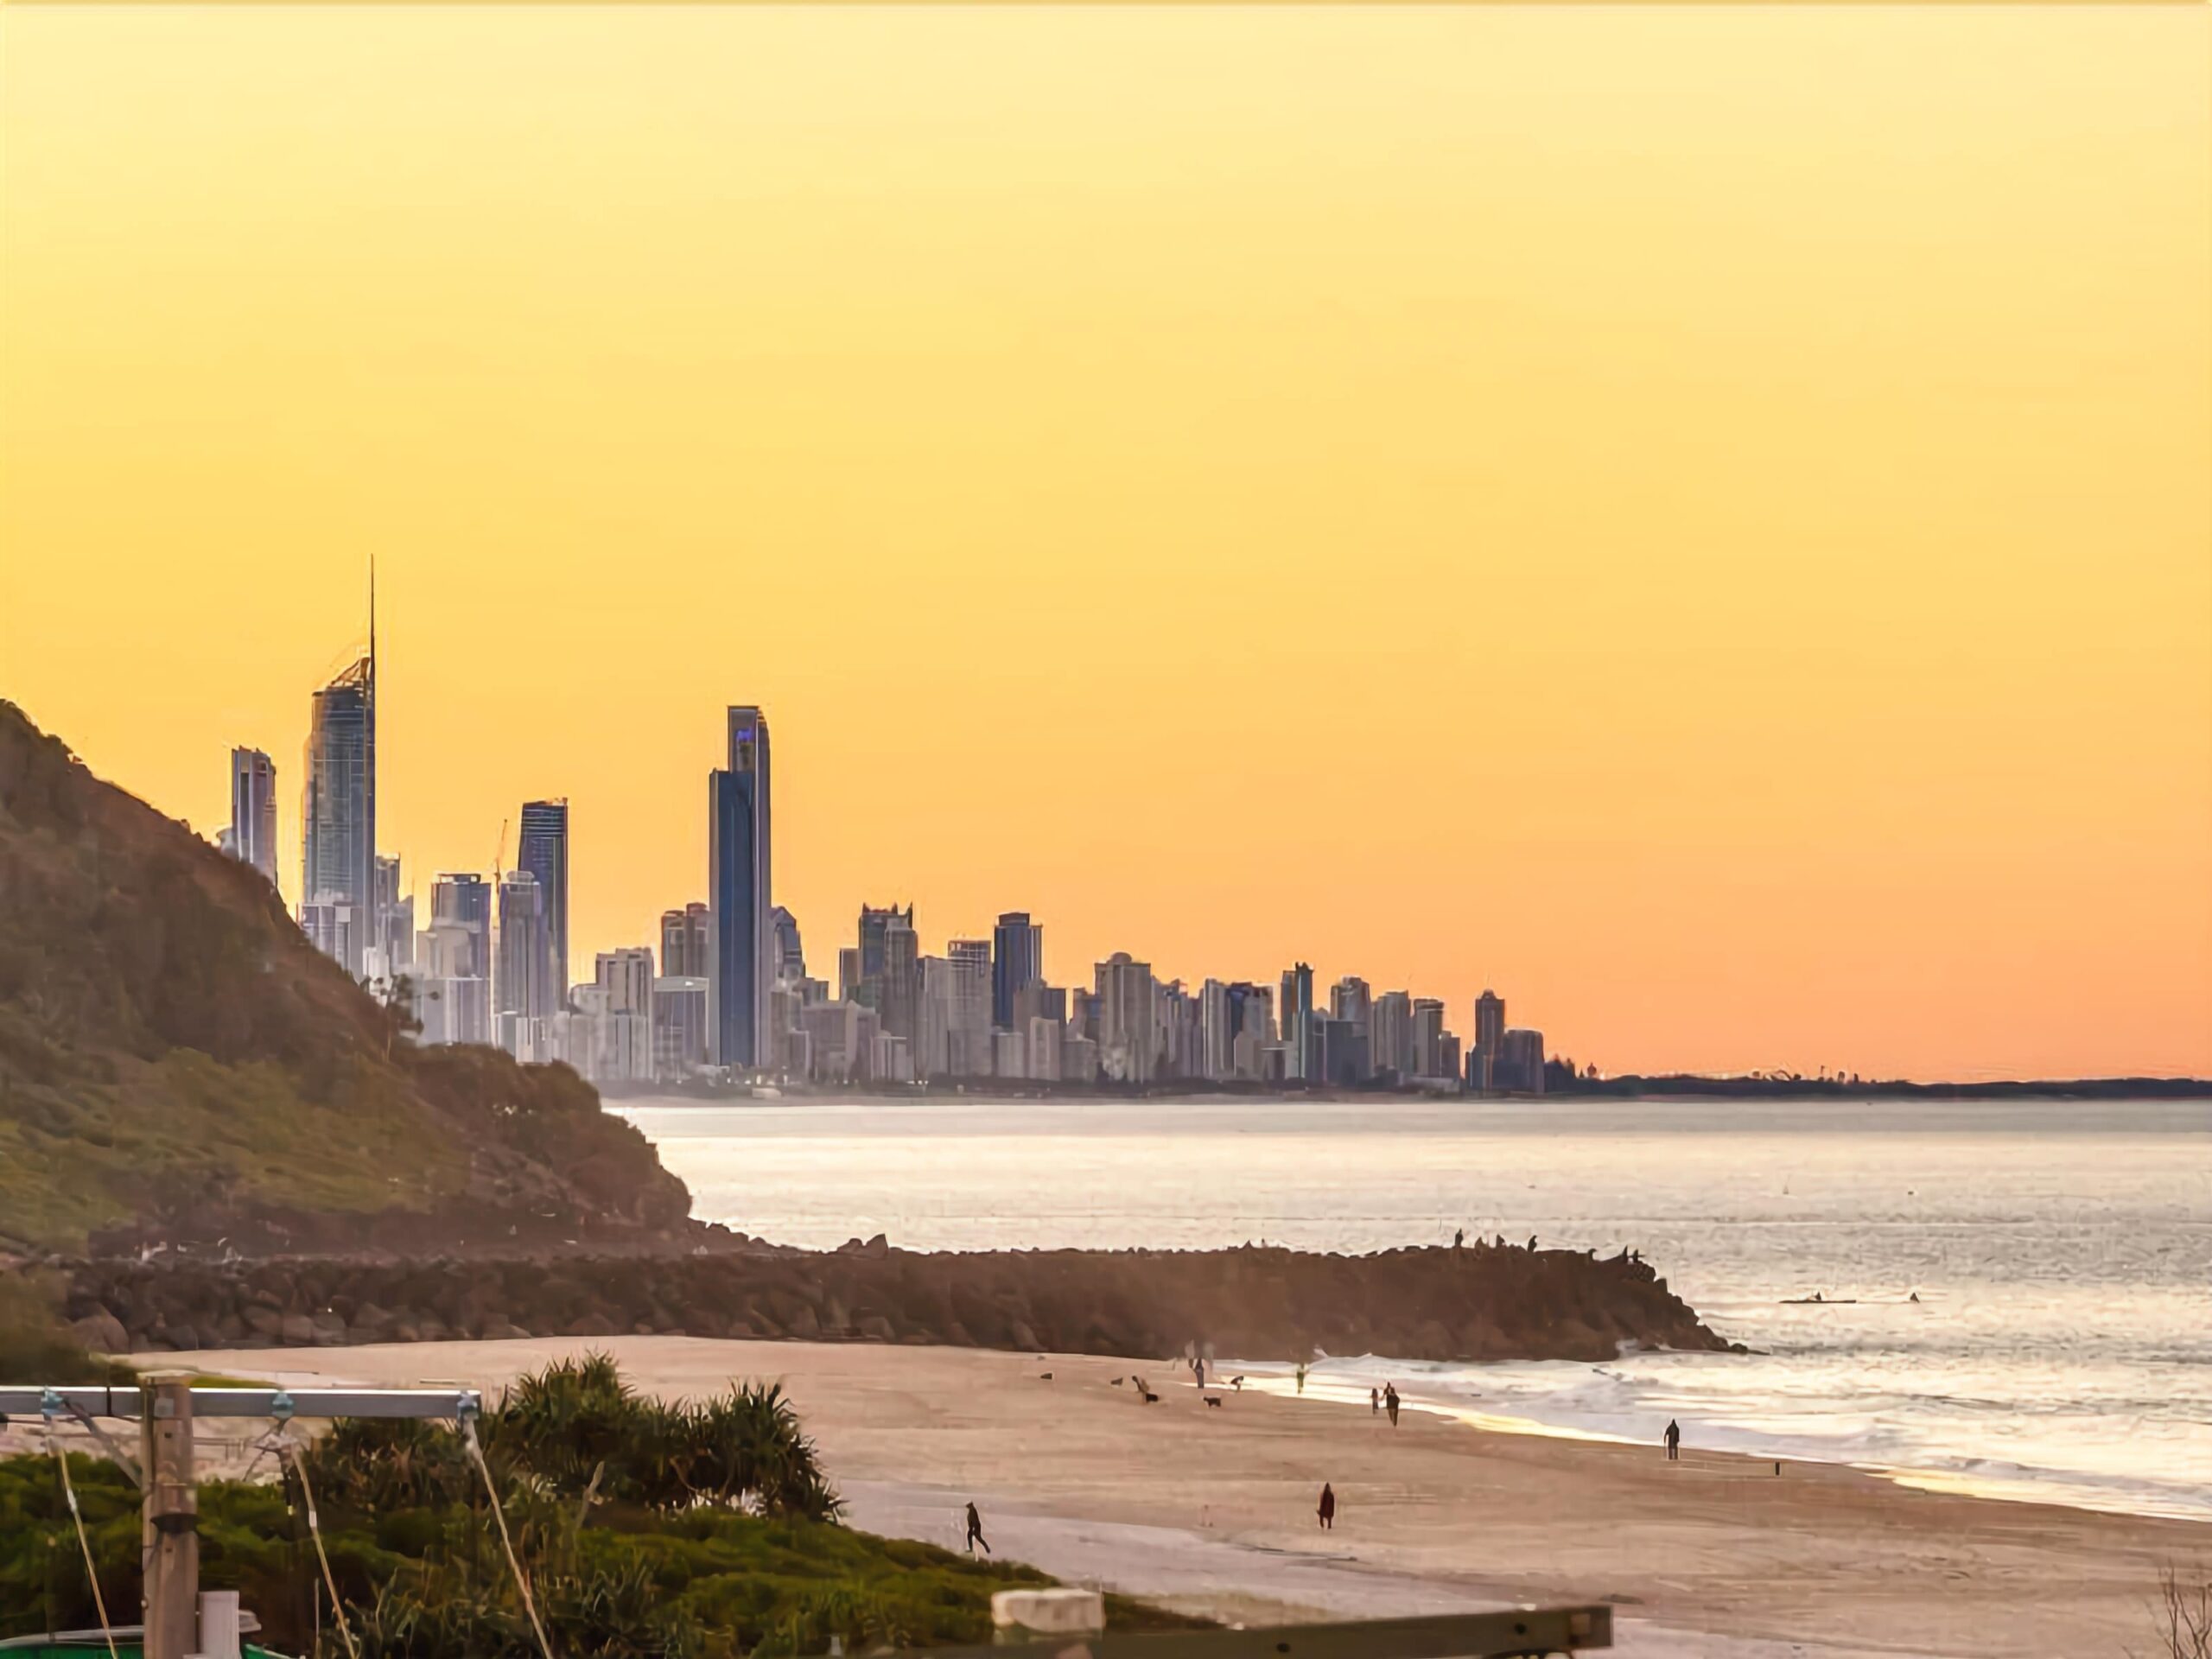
x: 1479, y: 1303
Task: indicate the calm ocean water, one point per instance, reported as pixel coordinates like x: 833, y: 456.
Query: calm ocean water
x: 2061, y: 1348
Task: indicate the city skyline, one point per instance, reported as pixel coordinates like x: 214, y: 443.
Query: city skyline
x: 546, y: 909
x: 1608, y: 522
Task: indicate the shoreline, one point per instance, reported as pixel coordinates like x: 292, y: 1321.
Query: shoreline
x: 1706, y: 1091
x: 1199, y: 1506
x: 2031, y: 1486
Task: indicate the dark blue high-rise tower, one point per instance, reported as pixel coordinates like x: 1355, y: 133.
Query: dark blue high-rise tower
x: 1017, y: 962
x: 545, y: 853
x: 742, y: 967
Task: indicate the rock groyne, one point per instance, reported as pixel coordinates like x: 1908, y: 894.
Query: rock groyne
x: 1440, y: 1304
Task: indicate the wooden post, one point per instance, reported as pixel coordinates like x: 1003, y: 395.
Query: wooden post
x: 172, y: 1516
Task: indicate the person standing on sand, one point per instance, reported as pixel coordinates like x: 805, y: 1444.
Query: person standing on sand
x: 976, y: 1531
x: 1301, y: 1377
x: 1460, y: 1238
x: 1328, y: 1508
x: 1674, y: 1438
x: 1391, y: 1402
x: 1375, y: 1401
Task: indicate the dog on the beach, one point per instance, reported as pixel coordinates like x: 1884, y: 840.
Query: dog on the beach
x: 1214, y: 1400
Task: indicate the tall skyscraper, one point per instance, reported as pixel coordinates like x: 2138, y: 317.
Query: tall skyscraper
x: 968, y: 1034
x: 686, y: 936
x: 1128, y: 1038
x: 1350, y: 1001
x: 545, y: 853
x: 253, y: 810
x: 338, y: 809
x: 1297, y: 1016
x: 744, y: 966
x: 1017, y: 961
x: 522, y: 988
x: 875, y: 924
x: 898, y: 1002
x: 1428, y: 1038
x: 1390, y: 1033
x: 1252, y: 1015
x: 1489, y: 1040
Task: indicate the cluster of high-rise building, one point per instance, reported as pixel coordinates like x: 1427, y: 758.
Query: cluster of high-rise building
x: 730, y: 995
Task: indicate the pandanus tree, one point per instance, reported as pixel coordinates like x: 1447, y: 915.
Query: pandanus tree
x: 576, y: 1432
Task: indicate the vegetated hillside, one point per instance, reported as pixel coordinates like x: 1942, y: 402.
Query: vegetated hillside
x: 177, y: 1060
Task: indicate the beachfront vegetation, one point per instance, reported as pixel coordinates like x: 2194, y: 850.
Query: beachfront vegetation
x: 649, y: 1531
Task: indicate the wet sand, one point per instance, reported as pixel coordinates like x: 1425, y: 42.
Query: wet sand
x: 1212, y: 1508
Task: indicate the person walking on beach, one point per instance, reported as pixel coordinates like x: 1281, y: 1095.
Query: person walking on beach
x: 1301, y: 1377
x: 1391, y: 1402
x: 975, y: 1532
x: 1375, y: 1401
x: 1673, y: 1440
x: 1328, y: 1508
x: 1459, y: 1239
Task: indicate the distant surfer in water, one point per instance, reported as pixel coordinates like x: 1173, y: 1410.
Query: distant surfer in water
x: 1673, y: 1439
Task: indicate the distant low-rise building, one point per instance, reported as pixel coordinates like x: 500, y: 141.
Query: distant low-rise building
x: 1520, y: 1065
x: 679, y: 1025
x: 453, y: 1008
x: 1045, y: 1035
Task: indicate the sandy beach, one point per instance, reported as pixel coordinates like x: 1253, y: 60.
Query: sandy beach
x: 1212, y: 1509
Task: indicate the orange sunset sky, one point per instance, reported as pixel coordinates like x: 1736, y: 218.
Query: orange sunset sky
x: 1699, y: 519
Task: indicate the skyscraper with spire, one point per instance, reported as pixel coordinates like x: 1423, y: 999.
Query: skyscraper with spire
x: 337, y: 812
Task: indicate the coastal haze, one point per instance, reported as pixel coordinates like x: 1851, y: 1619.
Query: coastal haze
x: 2061, y: 1348
x: 1692, y: 518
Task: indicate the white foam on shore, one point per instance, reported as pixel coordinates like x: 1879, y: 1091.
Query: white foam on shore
x: 1605, y: 1405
